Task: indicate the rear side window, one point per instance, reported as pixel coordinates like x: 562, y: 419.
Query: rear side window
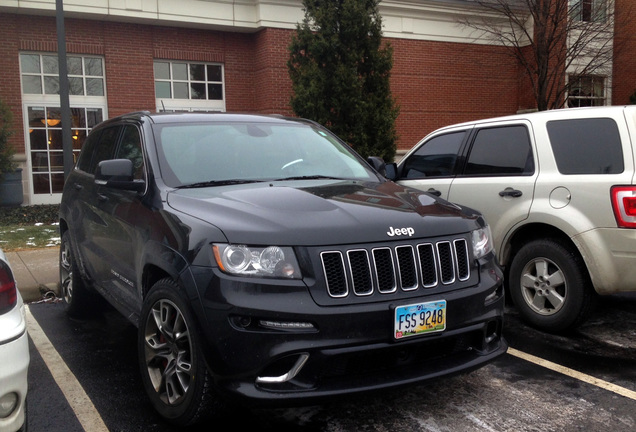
x: 501, y: 151
x: 435, y: 158
x: 586, y: 146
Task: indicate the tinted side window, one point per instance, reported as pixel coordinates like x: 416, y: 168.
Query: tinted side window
x: 435, y: 158
x: 105, y: 149
x: 84, y: 162
x: 501, y: 151
x: 586, y: 146
x: 130, y: 148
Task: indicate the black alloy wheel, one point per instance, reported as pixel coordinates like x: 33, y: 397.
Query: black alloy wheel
x: 78, y: 298
x: 173, y: 370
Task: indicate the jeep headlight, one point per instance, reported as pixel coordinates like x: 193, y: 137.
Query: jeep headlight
x: 482, y: 242
x: 270, y: 261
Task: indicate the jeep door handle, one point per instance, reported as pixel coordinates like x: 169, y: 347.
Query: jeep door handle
x: 102, y: 197
x: 514, y: 193
x: 78, y: 186
x: 434, y: 192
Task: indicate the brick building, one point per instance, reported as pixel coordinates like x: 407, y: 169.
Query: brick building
x: 215, y: 55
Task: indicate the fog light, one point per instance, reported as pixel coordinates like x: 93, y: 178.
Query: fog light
x: 286, y: 325
x: 490, y: 297
x: 492, y: 331
x: 8, y: 404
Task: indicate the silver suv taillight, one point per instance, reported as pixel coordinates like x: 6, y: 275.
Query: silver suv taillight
x: 8, y: 291
x: 624, y: 205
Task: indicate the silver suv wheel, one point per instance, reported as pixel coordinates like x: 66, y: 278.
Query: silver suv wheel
x: 550, y: 285
x: 543, y: 286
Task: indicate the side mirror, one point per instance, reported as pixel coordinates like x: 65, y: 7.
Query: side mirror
x: 391, y: 171
x: 377, y: 164
x: 118, y: 174
x: 388, y: 170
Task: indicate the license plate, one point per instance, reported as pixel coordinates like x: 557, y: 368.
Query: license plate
x: 415, y: 319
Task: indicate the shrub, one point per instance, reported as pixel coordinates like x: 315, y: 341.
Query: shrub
x: 7, y: 163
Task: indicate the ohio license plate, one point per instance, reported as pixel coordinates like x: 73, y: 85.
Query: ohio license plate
x: 420, y: 318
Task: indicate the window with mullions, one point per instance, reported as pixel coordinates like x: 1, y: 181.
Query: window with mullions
x: 588, y: 10
x: 40, y: 75
x: 191, y: 81
x: 46, y: 147
x: 585, y: 91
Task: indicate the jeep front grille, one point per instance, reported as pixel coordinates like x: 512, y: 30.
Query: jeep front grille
x: 386, y: 269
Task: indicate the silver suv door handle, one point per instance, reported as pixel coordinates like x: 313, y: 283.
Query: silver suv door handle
x: 435, y: 192
x: 511, y: 193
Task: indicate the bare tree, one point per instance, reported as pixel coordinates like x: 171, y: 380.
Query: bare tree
x: 552, y: 40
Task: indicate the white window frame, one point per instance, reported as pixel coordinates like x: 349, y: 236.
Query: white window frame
x: 182, y: 104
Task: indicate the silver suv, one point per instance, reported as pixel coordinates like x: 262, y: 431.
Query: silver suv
x: 559, y: 193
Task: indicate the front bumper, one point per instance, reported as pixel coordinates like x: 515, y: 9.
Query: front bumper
x: 272, y: 343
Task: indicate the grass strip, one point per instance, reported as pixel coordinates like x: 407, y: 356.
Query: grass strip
x: 21, y: 237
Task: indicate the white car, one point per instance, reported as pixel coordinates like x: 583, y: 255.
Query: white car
x: 558, y: 189
x: 14, y: 353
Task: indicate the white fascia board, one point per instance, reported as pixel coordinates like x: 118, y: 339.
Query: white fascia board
x: 279, y: 14
x: 435, y: 20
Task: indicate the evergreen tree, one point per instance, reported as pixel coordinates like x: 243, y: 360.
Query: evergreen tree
x: 340, y: 71
x: 7, y: 162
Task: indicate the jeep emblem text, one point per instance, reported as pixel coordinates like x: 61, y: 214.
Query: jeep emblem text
x: 400, y: 231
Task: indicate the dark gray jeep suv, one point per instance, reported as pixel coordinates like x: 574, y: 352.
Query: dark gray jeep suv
x: 263, y: 261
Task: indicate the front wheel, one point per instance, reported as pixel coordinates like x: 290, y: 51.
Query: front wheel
x: 550, y: 286
x: 173, y: 370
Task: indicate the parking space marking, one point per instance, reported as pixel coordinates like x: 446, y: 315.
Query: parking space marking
x: 574, y: 374
x: 77, y: 398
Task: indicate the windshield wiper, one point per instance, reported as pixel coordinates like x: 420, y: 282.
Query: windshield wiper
x: 217, y: 183
x: 309, y: 177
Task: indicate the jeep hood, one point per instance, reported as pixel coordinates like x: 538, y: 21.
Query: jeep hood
x: 313, y: 213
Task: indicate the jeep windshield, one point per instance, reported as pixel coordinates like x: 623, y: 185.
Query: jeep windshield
x: 220, y: 153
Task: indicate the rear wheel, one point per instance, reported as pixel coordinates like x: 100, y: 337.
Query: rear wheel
x: 79, y: 299
x: 173, y: 370
x: 550, y: 286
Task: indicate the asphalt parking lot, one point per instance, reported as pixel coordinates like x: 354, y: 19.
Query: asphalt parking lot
x: 585, y: 380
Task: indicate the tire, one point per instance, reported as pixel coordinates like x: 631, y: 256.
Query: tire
x: 550, y: 286
x: 78, y: 297
x: 173, y: 370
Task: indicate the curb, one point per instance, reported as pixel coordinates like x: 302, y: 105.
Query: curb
x: 36, y: 272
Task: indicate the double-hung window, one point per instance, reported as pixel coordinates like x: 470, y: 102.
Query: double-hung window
x: 585, y: 91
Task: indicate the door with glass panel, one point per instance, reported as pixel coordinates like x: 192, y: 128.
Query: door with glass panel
x: 46, y: 153
x: 40, y: 94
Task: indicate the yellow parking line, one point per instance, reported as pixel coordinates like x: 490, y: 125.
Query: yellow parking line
x: 77, y: 398
x: 573, y: 373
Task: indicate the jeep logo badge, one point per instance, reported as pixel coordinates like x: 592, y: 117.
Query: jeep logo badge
x: 400, y: 231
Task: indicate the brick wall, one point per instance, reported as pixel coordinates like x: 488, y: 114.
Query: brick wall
x: 435, y: 83
x: 438, y: 83
x: 624, y: 80
x: 271, y: 79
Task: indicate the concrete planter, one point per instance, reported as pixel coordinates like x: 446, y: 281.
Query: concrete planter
x: 11, y: 189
